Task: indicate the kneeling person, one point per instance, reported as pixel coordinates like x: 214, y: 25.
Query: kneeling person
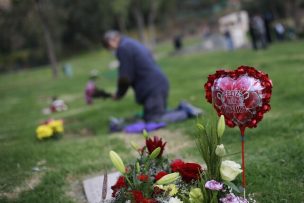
x: 139, y: 71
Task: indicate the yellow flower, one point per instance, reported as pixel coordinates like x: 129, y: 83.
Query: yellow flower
x: 229, y: 170
x: 44, y: 131
x: 167, y: 179
x: 196, y: 195
x: 117, y: 162
x: 57, y: 126
x: 171, y: 189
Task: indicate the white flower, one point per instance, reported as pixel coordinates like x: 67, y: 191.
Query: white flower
x: 220, y: 150
x: 229, y: 170
x: 175, y: 200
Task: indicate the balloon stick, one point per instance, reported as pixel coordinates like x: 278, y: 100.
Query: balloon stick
x: 243, y: 159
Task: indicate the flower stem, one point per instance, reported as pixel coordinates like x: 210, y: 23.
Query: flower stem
x: 130, y: 183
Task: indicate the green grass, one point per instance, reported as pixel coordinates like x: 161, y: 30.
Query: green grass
x: 274, y: 150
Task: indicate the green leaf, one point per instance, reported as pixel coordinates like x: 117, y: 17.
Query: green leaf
x: 200, y: 126
x: 233, y: 186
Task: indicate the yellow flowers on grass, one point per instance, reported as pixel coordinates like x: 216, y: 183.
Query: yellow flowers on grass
x: 44, y: 131
x: 49, y: 129
x: 56, y: 125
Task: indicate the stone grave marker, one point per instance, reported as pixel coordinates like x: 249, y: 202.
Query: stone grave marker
x: 93, y: 187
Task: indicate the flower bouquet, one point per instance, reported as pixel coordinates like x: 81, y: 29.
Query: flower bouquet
x: 50, y: 129
x: 152, y: 178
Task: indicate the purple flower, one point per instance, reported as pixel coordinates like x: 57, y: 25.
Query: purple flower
x: 213, y: 185
x: 231, y: 198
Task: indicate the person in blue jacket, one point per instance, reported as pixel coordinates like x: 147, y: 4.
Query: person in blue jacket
x: 139, y: 71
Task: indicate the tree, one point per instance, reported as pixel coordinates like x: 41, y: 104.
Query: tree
x: 120, y: 10
x: 293, y: 9
x: 40, y: 7
x: 137, y: 11
x: 153, y: 10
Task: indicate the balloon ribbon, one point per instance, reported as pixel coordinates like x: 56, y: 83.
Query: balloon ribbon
x: 243, y: 159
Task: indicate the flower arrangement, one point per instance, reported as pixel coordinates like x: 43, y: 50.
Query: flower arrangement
x: 218, y: 180
x: 152, y: 178
x: 50, y: 129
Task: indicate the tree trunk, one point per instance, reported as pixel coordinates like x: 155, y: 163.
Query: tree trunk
x: 121, y: 23
x: 151, y: 22
x: 293, y: 10
x: 137, y: 13
x: 48, y: 38
x: 296, y: 16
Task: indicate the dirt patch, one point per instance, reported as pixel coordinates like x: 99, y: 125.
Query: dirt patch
x: 176, y: 140
x: 30, y: 183
x: 75, y: 190
x: 70, y: 97
x: 82, y: 133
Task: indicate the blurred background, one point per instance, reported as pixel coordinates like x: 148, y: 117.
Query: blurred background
x: 38, y: 32
x: 49, y: 49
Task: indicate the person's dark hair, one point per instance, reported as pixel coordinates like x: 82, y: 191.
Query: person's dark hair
x: 108, y: 36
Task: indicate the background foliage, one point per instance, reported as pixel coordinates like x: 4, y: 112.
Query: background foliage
x: 78, y: 25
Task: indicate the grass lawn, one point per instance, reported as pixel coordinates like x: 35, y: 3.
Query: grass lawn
x: 274, y: 150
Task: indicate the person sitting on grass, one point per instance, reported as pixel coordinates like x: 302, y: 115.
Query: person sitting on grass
x: 139, y: 71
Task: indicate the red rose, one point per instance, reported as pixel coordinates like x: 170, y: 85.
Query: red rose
x: 143, y: 178
x: 149, y: 201
x: 118, y: 185
x: 190, y: 171
x: 139, y: 197
x: 176, y: 164
x: 153, y: 144
x: 159, y: 175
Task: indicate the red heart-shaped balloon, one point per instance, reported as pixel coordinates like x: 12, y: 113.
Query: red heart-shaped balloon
x: 242, y: 95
